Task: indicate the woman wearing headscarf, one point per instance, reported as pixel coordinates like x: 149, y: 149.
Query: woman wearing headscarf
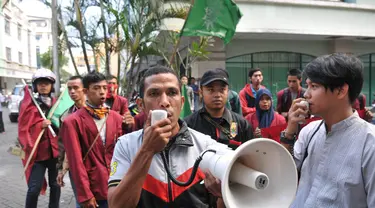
x: 265, y: 116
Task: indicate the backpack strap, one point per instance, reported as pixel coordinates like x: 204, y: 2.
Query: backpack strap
x: 361, y: 101
x: 285, y: 96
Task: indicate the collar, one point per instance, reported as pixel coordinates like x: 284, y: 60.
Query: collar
x: 227, y: 116
x: 342, y: 125
x: 96, y: 107
x: 183, y: 137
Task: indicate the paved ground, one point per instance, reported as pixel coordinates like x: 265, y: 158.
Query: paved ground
x: 13, y: 186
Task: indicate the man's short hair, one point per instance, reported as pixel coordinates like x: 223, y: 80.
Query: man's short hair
x: 182, y: 76
x: 295, y: 72
x: 335, y: 70
x: 252, y: 71
x: 92, y: 77
x: 75, y: 77
x: 158, y: 69
x: 110, y: 76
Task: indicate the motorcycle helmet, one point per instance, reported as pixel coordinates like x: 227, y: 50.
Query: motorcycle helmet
x: 43, y: 74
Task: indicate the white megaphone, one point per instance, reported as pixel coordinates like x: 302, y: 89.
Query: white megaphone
x: 259, y: 173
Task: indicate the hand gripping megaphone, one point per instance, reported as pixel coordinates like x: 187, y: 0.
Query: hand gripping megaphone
x: 259, y: 173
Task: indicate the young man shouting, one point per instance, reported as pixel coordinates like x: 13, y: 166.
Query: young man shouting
x: 89, y: 136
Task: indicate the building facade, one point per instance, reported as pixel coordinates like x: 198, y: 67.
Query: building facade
x: 17, y: 54
x: 39, y: 17
x: 277, y: 35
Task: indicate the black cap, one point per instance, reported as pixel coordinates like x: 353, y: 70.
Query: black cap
x: 214, y: 75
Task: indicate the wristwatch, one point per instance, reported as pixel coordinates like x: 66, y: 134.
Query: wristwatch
x: 284, y: 140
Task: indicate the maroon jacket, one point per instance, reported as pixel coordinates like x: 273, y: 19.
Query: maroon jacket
x: 140, y: 120
x: 284, y: 99
x: 120, y: 105
x: 78, y: 132
x: 29, y: 127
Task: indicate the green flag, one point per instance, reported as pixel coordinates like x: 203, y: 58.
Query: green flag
x: 64, y: 104
x: 186, y: 109
x: 212, y: 18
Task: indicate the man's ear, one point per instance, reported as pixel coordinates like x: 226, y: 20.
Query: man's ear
x: 140, y: 104
x: 85, y: 91
x: 343, y: 91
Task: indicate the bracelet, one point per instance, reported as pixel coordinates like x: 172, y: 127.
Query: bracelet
x: 284, y: 140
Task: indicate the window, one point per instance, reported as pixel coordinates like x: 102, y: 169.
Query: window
x: 29, y: 46
x: 8, y: 53
x: 7, y: 25
x: 368, y: 88
x: 38, y: 62
x: 38, y: 37
x: 20, y: 57
x: 19, y: 31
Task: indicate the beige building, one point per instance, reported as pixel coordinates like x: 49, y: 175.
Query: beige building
x: 17, y: 47
x: 277, y: 35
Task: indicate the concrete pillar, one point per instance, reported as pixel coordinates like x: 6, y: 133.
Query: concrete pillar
x: 342, y: 46
x: 216, y: 59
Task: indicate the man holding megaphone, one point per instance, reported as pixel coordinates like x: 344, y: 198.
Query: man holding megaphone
x: 335, y: 156
x: 143, y: 161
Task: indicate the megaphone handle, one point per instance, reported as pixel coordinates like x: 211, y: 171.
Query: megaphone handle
x: 193, y: 173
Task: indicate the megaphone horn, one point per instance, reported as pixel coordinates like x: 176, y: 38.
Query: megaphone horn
x: 259, y: 168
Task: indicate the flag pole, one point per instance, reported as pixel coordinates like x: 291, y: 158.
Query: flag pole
x: 180, y: 35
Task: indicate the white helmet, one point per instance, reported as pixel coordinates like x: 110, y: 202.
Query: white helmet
x: 45, y: 74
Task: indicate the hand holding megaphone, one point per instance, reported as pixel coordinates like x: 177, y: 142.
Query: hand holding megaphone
x: 157, y: 131
x: 297, y: 114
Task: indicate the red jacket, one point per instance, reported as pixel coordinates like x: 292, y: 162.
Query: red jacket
x: 29, y: 128
x: 140, y: 120
x: 78, y: 132
x: 284, y: 103
x: 360, y: 106
x: 247, y: 100
x: 120, y: 105
x: 278, y: 120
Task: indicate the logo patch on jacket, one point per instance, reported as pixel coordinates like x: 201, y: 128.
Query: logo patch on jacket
x: 233, y: 129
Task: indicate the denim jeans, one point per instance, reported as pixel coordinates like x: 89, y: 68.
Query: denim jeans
x: 1, y: 122
x: 102, y: 203
x: 36, y: 181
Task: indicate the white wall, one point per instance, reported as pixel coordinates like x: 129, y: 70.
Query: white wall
x: 366, y: 2
x: 306, y: 17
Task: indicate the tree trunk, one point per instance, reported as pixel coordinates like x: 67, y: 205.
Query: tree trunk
x: 62, y: 27
x: 130, y: 82
x: 55, y: 47
x: 80, y: 25
x: 118, y: 51
x: 107, y: 58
